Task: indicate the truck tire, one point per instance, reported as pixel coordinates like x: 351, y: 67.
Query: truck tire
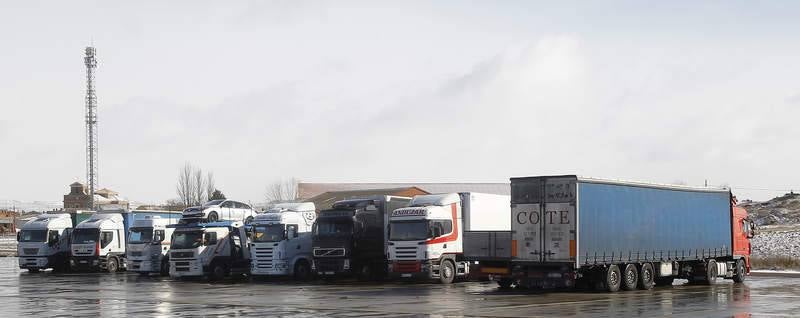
x: 630, y: 277
x: 112, y: 264
x: 447, y: 272
x: 505, y: 283
x: 646, y: 276
x: 301, y: 270
x: 711, y: 272
x: 212, y: 217
x: 218, y: 272
x: 739, y: 273
x: 613, y: 278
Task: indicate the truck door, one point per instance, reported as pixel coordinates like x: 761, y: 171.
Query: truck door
x: 527, y: 231
x: 558, y: 220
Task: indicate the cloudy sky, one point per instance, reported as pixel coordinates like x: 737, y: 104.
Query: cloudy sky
x: 400, y: 91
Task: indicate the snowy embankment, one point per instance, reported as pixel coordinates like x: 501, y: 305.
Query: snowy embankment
x: 776, y: 248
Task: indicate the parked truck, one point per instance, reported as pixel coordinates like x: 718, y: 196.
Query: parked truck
x: 281, y: 241
x: 98, y: 243
x: 215, y: 250
x: 425, y: 238
x: 148, y: 242
x: 351, y: 237
x: 43, y: 242
x: 608, y: 234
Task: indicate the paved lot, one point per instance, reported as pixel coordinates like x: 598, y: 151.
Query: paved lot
x: 106, y: 295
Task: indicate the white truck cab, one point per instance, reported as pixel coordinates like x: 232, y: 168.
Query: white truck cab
x: 148, y: 245
x: 281, y: 241
x: 44, y: 242
x: 99, y: 243
x: 214, y: 250
x: 426, y: 238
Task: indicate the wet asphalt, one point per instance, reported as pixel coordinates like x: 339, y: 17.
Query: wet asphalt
x: 128, y: 294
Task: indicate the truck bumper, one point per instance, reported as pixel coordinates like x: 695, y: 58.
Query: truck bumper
x: 544, y: 277
x: 185, y: 268
x: 331, y: 266
x: 413, y: 270
x: 144, y: 265
x: 86, y: 263
x: 33, y: 262
x: 278, y: 268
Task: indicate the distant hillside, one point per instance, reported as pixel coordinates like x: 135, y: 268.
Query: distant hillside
x: 780, y: 210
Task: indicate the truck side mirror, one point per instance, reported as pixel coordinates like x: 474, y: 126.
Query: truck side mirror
x: 18, y: 235
x: 752, y: 232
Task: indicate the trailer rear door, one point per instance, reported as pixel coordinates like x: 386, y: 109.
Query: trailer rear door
x: 544, y: 218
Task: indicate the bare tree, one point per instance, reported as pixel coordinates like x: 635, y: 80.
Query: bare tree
x: 194, y: 188
x: 210, y: 186
x: 282, y: 190
x: 185, y: 186
x: 199, y: 194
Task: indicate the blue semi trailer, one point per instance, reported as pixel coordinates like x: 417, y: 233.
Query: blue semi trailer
x: 611, y: 235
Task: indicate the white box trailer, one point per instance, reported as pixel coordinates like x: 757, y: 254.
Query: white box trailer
x: 426, y: 238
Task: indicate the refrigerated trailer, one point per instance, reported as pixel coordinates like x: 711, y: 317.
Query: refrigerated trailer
x: 614, y: 234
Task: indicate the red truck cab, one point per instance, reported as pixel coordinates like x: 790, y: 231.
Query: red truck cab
x: 743, y: 231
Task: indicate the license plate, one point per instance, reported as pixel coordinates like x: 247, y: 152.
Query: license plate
x: 83, y: 262
x: 405, y: 275
x: 328, y: 273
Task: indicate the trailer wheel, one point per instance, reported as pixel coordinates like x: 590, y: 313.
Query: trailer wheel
x: 447, y: 272
x: 613, y: 278
x: 646, y: 276
x: 739, y: 273
x: 112, y: 265
x: 711, y: 272
x: 630, y: 277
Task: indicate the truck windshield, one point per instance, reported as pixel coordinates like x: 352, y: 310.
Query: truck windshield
x: 409, y: 230
x: 85, y: 236
x: 33, y: 236
x: 140, y: 235
x: 269, y: 233
x: 333, y: 227
x: 183, y: 240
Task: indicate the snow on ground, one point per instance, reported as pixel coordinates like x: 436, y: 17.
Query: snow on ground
x: 780, y: 242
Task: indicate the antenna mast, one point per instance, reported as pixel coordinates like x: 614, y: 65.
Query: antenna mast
x: 91, y: 125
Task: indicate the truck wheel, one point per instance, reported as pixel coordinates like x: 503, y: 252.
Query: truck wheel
x: 112, y: 265
x: 630, y: 277
x: 711, y: 272
x: 447, y: 272
x: 739, y: 273
x: 613, y: 279
x: 218, y: 272
x: 212, y: 217
x: 505, y: 283
x: 301, y: 270
x: 646, y: 276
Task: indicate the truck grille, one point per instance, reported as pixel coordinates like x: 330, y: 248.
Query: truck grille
x: 181, y: 254
x: 328, y: 265
x: 405, y: 252
x: 136, y: 253
x: 30, y: 251
x: 263, y: 257
x: 328, y: 252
